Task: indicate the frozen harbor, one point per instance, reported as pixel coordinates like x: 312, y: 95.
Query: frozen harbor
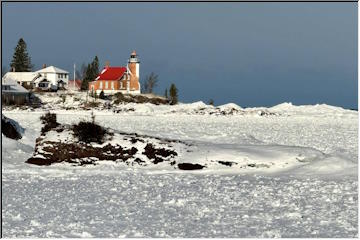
x: 313, y: 198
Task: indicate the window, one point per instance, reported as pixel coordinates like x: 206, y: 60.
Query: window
x: 121, y: 85
x: 112, y: 85
x: 43, y: 85
x: 100, y: 86
x: 58, y: 75
x: 106, y: 85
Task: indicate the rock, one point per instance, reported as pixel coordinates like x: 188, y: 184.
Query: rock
x: 226, y: 163
x: 11, y: 128
x: 190, y: 166
x: 158, y: 154
x: 131, y: 149
x: 84, y: 153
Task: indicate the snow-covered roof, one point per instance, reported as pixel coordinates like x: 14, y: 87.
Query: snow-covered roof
x: 41, y: 79
x: 51, y: 69
x: 111, y: 73
x: 21, y: 76
x: 14, y: 86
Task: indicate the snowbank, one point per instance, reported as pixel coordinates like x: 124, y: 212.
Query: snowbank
x: 318, y: 109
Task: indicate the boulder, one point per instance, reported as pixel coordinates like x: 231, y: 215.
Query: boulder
x: 11, y: 128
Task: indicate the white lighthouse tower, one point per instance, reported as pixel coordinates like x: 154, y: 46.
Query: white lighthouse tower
x: 134, y: 64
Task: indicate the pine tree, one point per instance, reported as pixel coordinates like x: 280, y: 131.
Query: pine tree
x: 211, y: 102
x: 87, y: 78
x: 166, y: 94
x: 21, y: 61
x: 95, y: 67
x: 92, y: 71
x: 102, y: 95
x: 173, y: 94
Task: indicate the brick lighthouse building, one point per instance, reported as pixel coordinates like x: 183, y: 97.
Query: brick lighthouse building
x: 119, y: 79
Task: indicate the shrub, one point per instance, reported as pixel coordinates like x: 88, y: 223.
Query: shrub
x: 119, y: 97
x: 140, y: 99
x: 92, y: 104
x: 158, y: 101
x: 89, y: 132
x: 102, y: 95
x: 49, y: 121
x: 63, y: 98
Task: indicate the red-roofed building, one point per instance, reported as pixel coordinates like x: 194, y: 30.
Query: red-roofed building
x: 118, y: 79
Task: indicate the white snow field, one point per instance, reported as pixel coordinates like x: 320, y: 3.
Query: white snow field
x: 301, y: 182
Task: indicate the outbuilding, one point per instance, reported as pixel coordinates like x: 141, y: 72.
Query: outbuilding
x: 13, y: 93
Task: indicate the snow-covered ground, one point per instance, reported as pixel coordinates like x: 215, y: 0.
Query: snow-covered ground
x: 308, y: 190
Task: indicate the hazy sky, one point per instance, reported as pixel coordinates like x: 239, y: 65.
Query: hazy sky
x: 252, y: 54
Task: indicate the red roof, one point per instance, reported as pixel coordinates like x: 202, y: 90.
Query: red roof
x: 111, y: 73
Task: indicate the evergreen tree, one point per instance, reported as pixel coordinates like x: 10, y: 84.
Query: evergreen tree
x: 166, y: 93
x: 173, y: 94
x: 92, y: 71
x: 21, y: 61
x: 211, y: 102
x: 87, y: 78
x: 95, y: 67
x: 102, y: 95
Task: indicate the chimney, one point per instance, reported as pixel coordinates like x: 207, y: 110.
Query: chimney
x: 44, y: 65
x: 107, y: 64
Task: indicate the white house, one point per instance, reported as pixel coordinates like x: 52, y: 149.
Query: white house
x: 53, y: 78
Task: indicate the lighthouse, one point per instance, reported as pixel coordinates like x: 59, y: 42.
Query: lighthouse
x: 134, y: 68
x: 124, y: 79
x: 134, y: 64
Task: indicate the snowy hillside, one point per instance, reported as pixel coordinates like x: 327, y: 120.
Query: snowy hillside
x: 284, y: 171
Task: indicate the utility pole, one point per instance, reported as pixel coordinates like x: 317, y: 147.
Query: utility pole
x: 74, y: 75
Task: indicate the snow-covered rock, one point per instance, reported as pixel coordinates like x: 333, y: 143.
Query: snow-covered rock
x: 11, y: 128
x: 116, y: 146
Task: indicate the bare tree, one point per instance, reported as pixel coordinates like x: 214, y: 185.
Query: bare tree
x: 81, y: 73
x: 150, y: 83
